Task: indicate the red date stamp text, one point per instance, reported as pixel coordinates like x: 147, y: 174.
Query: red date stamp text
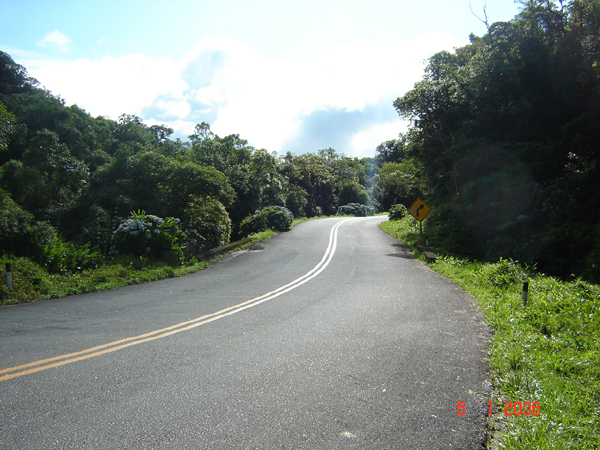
x: 510, y: 408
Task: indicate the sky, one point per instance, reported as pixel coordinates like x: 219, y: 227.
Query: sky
x: 285, y: 75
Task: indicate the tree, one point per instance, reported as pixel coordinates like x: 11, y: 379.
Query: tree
x: 311, y: 173
x: 14, y: 78
x: 48, y: 180
x: 252, y: 173
x: 390, y: 151
x: 153, y: 182
x: 397, y: 183
x: 502, y: 128
x: 7, y: 121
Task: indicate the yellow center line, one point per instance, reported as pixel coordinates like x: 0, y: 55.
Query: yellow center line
x: 57, y: 361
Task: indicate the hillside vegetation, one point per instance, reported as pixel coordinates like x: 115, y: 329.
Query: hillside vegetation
x: 79, y: 192
x: 503, y: 144
x: 505, y: 133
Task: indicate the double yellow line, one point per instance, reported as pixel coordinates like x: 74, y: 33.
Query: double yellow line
x: 57, y: 361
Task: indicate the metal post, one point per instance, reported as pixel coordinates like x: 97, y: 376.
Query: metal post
x: 8, y: 276
x: 525, y: 291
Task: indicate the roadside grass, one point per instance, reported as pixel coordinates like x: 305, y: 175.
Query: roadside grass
x: 545, y: 351
x: 30, y: 282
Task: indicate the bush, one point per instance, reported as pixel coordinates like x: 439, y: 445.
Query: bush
x: 20, y: 234
x: 504, y: 273
x: 397, y: 212
x: 206, y: 224
x: 276, y: 218
x: 353, y: 209
x: 147, y: 235
x: 98, y: 228
x: 59, y: 256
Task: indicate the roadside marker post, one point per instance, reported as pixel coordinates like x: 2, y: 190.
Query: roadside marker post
x: 525, y: 291
x: 8, y: 276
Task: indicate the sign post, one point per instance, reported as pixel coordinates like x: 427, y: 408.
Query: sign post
x: 419, y: 210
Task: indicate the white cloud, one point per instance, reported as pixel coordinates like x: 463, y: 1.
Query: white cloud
x: 110, y: 86
x: 365, y: 142
x: 57, y: 40
x: 236, y: 90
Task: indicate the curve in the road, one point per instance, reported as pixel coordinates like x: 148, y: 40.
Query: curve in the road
x: 44, y: 364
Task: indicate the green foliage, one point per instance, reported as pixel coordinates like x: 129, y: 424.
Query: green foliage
x: 13, y: 77
x: 546, y: 351
x: 352, y: 192
x: 59, y: 256
x: 29, y: 281
x: 20, y: 233
x: 275, y: 218
x: 296, y: 200
x: 353, y: 209
x: 206, y: 224
x: 84, y: 174
x: 6, y: 126
x: 150, y: 236
x: 152, y: 180
x: 503, y: 132
x: 391, y: 151
x: 252, y: 173
x: 98, y: 226
x: 48, y: 179
x: 319, y: 184
x: 397, y: 182
x: 397, y: 212
x: 503, y: 273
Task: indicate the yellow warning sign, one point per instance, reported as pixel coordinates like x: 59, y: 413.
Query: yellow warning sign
x: 419, y: 210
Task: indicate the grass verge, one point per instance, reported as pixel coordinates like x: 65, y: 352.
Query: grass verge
x: 546, y: 351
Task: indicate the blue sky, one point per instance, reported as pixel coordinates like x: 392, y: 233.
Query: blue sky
x: 297, y: 76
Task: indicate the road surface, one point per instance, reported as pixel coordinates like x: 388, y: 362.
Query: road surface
x: 329, y: 336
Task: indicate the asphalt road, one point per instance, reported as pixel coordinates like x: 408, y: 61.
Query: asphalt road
x: 329, y: 336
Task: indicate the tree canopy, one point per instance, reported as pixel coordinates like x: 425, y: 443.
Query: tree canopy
x: 503, y: 130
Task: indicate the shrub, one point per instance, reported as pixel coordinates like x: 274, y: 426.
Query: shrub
x: 504, y: 273
x: 147, y: 235
x: 20, y: 234
x: 397, y: 212
x: 353, y: 209
x: 59, y: 256
x: 98, y: 228
x: 276, y: 218
x: 206, y: 224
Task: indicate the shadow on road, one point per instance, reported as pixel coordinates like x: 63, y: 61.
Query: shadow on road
x: 402, y: 251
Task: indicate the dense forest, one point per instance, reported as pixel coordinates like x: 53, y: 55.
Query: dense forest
x: 503, y: 144
x: 505, y: 131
